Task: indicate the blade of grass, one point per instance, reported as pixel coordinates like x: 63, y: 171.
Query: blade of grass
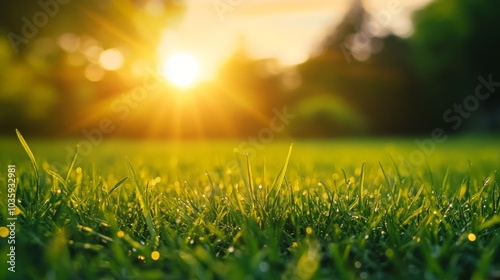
x: 345, y: 177
x: 396, y: 168
x: 445, y: 183
x: 60, y: 179
x: 72, y: 164
x: 391, y: 188
x: 143, y: 204
x: 361, y: 189
x: 251, y: 188
x: 279, y: 180
x: 240, y: 166
x: 493, y: 221
x: 33, y: 162
x: 117, y: 185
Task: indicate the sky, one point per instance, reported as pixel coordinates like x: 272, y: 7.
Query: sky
x: 287, y: 30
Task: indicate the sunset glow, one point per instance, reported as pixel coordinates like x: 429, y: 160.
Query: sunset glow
x: 181, y: 69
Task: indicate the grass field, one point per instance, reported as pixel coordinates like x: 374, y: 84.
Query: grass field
x: 343, y: 209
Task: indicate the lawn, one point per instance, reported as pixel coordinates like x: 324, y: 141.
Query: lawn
x: 337, y: 209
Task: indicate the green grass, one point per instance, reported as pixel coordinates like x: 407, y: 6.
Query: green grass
x: 344, y: 209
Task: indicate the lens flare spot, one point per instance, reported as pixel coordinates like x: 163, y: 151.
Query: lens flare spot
x: 111, y: 59
x: 155, y: 255
x: 181, y: 69
x: 4, y: 232
x: 472, y: 237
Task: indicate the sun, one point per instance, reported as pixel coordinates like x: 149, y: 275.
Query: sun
x: 181, y: 69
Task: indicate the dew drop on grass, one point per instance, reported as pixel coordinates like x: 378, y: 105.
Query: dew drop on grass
x: 389, y: 253
x: 472, y: 237
x: 4, y: 232
x: 357, y: 264
x: 155, y: 255
x: 263, y: 266
x: 309, y: 230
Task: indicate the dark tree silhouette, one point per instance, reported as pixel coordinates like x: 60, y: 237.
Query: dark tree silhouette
x: 455, y: 41
x: 370, y: 81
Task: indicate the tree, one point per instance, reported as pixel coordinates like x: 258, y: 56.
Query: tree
x: 368, y: 80
x: 455, y: 41
x: 44, y: 93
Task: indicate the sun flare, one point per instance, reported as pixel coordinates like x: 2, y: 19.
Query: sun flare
x: 181, y: 69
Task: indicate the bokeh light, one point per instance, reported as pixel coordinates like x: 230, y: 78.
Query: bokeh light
x: 4, y: 232
x: 94, y: 72
x: 111, y: 59
x: 69, y: 42
x: 472, y: 237
x: 181, y: 69
x: 155, y: 255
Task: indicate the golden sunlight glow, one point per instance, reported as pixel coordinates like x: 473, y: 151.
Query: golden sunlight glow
x: 155, y: 255
x: 111, y: 59
x: 472, y: 237
x: 181, y: 69
x: 4, y: 232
